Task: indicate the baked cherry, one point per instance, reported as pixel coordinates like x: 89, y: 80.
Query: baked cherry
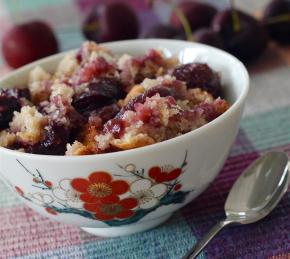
x: 162, y: 91
x: 199, y: 75
x: 99, y: 93
x: 111, y: 22
x: 56, y: 137
x: 7, y: 108
x: 10, y: 101
x: 28, y: 42
x: 141, y: 98
x: 105, y: 113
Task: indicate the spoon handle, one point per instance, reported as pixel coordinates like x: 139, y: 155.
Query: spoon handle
x: 194, y: 252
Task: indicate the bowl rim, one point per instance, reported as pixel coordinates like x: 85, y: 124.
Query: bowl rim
x: 138, y: 151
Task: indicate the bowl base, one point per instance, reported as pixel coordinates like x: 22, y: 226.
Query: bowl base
x: 127, y: 230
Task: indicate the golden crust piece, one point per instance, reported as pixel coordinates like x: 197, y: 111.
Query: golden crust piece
x: 131, y: 142
x: 197, y: 95
x: 6, y: 138
x: 89, y: 133
x: 78, y: 149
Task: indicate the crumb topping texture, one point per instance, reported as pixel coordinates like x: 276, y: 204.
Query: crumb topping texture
x: 97, y: 102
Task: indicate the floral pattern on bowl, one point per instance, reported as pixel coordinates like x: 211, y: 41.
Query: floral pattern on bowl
x: 109, y: 197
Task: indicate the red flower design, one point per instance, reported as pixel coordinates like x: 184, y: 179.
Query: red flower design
x: 177, y: 187
x: 19, y: 191
x: 36, y: 180
x: 160, y: 176
x: 120, y: 209
x: 48, y: 184
x: 99, y: 188
x: 51, y: 211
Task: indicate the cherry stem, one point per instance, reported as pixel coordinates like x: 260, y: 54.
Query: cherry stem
x: 279, y: 18
x: 91, y: 26
x: 184, y: 22
x: 182, y: 18
x: 235, y: 17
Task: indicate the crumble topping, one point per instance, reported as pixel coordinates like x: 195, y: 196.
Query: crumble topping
x: 39, y: 84
x: 67, y: 66
x: 97, y: 102
x: 7, y: 138
x: 64, y: 91
x: 28, y: 124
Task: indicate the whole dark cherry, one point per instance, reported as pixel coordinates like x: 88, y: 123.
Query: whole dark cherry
x: 199, y: 75
x: 110, y: 22
x: 102, y: 92
x: 105, y: 113
x: 28, y: 42
x: 197, y: 14
x: 164, y: 31
x: 245, y: 37
x: 141, y: 98
x: 209, y: 37
x: 277, y: 20
x: 54, y: 142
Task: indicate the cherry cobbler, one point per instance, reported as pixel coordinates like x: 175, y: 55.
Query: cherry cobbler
x: 96, y: 103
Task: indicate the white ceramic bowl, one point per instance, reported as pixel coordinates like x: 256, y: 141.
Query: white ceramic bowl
x: 162, y: 177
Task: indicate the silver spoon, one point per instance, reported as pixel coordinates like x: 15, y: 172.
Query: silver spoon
x: 253, y: 196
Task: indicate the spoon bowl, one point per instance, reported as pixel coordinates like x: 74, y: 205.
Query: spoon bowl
x: 262, y: 183
x: 253, y: 196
